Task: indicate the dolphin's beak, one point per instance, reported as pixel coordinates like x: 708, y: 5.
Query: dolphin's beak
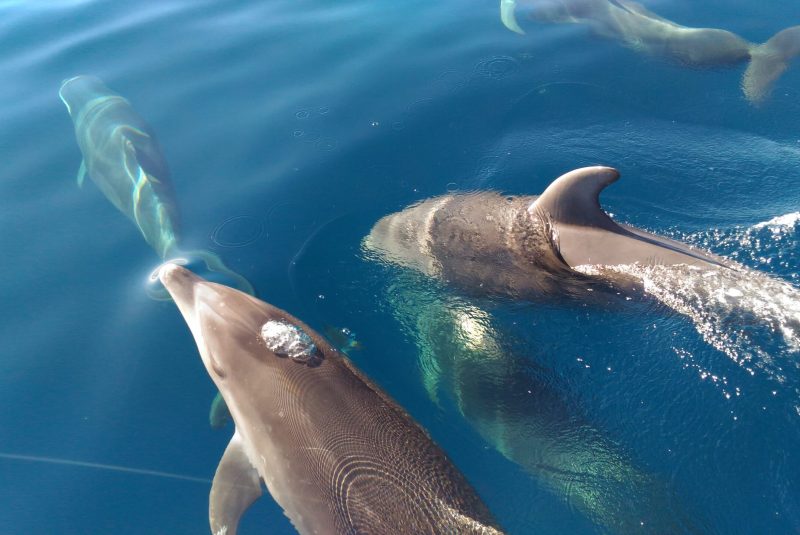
x: 196, y: 300
x: 180, y: 283
x: 507, y: 8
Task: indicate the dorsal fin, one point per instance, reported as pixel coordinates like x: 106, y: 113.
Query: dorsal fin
x: 573, y: 198
x: 585, y: 235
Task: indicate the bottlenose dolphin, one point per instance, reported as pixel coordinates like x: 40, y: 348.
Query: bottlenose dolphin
x: 527, y: 246
x: 336, y: 453
x: 121, y: 155
x: 341, y: 338
x: 642, y: 30
x: 516, y: 408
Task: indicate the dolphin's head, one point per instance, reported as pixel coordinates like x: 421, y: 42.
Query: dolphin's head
x: 78, y: 91
x: 239, y: 335
x: 403, y: 238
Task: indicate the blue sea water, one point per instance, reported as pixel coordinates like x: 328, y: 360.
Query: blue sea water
x: 290, y: 127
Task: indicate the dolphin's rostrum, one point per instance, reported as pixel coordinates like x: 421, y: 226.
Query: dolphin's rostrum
x: 336, y: 453
x: 121, y: 155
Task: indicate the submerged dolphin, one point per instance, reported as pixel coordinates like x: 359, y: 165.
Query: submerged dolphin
x: 642, y: 30
x: 517, y: 410
x: 528, y: 246
x: 122, y: 156
x: 336, y: 453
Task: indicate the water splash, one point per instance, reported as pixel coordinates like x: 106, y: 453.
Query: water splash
x: 772, y: 245
x: 749, y: 316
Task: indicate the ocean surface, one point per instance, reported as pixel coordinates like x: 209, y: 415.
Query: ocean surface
x: 290, y: 127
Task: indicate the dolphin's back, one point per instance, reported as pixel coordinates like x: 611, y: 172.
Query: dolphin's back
x: 484, y: 243
x: 355, y: 462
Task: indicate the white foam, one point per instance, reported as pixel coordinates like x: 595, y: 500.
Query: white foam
x: 780, y: 222
x: 737, y: 311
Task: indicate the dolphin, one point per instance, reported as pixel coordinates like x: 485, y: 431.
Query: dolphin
x: 121, y: 155
x: 336, y: 453
x: 518, y: 410
x: 528, y: 247
x: 642, y: 30
x: 342, y: 339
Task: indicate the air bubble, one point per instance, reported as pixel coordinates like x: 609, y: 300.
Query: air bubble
x: 238, y: 231
x: 497, y: 68
x: 327, y: 144
x: 289, y: 341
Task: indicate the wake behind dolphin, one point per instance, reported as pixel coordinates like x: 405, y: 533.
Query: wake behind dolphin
x: 642, y: 30
x: 124, y: 160
x: 336, y: 453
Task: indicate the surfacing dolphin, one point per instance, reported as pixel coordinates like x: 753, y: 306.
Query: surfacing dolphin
x: 121, y: 155
x: 336, y: 453
x: 518, y: 410
x: 562, y: 245
x: 642, y: 30
x: 527, y: 247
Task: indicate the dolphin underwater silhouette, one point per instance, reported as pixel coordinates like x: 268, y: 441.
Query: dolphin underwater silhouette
x: 518, y: 410
x: 121, y: 155
x: 642, y: 30
x: 336, y: 453
x: 527, y: 247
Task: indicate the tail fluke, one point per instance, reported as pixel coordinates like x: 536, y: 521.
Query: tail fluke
x: 768, y: 62
x: 507, y: 8
x: 214, y: 263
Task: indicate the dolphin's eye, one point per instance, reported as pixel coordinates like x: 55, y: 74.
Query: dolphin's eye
x: 287, y: 340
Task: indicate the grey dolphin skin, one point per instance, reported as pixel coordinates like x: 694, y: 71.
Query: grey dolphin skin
x: 122, y: 156
x: 527, y: 247
x: 517, y: 409
x: 642, y: 30
x: 336, y: 453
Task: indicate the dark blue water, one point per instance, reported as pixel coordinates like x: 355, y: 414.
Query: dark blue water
x: 290, y: 127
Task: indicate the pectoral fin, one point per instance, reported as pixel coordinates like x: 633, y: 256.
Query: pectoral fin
x: 81, y: 173
x: 236, y: 486
x: 219, y: 415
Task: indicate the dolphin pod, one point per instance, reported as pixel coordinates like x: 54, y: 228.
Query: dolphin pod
x: 642, y: 30
x: 335, y: 452
x: 123, y: 158
x: 527, y: 247
x: 525, y: 417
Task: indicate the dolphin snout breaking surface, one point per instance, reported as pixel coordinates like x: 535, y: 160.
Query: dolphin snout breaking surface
x: 338, y: 455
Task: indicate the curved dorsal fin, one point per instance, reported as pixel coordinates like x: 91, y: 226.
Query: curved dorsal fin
x: 573, y: 198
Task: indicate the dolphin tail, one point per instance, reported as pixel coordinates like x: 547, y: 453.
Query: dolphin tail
x: 507, y: 8
x: 214, y: 263
x: 768, y: 61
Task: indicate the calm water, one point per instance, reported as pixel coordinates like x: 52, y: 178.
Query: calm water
x: 290, y: 127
